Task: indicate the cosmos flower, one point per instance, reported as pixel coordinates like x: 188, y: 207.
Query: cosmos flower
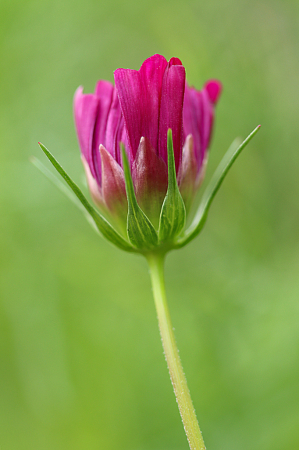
x: 138, y: 111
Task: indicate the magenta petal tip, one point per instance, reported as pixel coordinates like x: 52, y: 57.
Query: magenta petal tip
x: 214, y: 89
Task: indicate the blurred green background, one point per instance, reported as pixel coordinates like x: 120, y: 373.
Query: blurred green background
x: 81, y: 364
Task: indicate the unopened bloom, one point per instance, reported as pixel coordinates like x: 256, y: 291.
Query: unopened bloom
x: 138, y: 111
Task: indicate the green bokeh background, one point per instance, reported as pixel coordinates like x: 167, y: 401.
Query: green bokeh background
x: 81, y: 364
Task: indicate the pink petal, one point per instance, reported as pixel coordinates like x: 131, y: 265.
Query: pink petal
x: 171, y: 111
x: 214, y: 88
x: 149, y: 173
x: 202, y: 171
x: 152, y: 100
x: 198, y: 118
x: 85, y: 111
x: 91, y: 116
x: 103, y: 93
x: 175, y: 62
x: 113, y: 184
x: 188, y: 172
x: 139, y: 94
x: 115, y: 130
x: 93, y: 186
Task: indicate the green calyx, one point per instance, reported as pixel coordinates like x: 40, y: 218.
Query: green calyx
x: 173, y: 211
x: 141, y: 231
x: 142, y: 237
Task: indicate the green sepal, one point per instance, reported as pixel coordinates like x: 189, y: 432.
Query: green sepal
x: 173, y: 211
x: 56, y: 182
x: 211, y: 190
x: 141, y: 231
x: 101, y: 223
x: 62, y: 188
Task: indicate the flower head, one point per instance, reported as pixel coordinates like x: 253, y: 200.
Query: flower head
x: 144, y: 147
x: 138, y: 111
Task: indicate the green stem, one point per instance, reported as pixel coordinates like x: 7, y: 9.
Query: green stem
x: 178, y: 379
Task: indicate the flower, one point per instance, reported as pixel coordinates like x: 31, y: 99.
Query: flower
x: 138, y: 111
x: 144, y: 147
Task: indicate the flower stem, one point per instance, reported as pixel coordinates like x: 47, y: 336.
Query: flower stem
x: 178, y: 379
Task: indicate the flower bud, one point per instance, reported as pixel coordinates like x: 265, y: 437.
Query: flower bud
x: 138, y: 112
x: 144, y: 148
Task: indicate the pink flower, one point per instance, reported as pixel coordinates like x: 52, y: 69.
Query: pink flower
x: 138, y: 111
